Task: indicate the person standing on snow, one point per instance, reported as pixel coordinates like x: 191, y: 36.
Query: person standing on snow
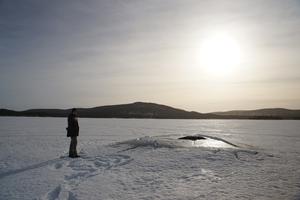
x: 73, y: 132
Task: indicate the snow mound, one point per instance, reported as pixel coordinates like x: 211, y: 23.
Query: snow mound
x: 176, y: 142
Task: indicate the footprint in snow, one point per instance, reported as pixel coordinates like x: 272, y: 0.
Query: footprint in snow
x: 87, y: 167
x: 59, y: 192
x: 81, y: 169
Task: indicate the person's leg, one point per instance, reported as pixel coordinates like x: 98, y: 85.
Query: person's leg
x: 71, y: 150
x: 75, y: 146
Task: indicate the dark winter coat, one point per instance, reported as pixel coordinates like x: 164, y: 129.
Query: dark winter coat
x: 73, y: 127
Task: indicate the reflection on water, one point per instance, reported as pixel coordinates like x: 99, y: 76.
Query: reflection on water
x: 209, y: 142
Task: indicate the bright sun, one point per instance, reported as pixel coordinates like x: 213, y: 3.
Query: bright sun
x: 220, y: 54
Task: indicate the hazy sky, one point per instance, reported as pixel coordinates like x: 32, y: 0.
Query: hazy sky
x: 83, y: 53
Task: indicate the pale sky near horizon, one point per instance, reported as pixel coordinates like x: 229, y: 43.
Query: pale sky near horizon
x: 62, y: 54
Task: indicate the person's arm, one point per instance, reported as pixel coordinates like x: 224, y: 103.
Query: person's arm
x: 70, y: 122
x: 76, y: 125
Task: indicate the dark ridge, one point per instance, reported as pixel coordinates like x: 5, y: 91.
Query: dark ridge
x: 141, y: 110
x: 267, y: 113
x: 133, y: 110
x: 6, y: 112
x: 157, y: 111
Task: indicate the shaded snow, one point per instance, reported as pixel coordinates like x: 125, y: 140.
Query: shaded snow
x: 143, y: 159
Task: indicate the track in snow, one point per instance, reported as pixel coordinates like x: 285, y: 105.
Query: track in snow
x: 80, y: 170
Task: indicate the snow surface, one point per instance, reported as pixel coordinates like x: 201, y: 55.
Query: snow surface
x: 143, y: 159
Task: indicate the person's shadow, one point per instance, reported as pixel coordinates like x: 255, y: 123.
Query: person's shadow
x: 31, y: 167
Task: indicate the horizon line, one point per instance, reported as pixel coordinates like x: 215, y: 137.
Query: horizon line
x: 152, y: 103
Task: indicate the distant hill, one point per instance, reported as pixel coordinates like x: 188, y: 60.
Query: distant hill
x: 158, y: 111
x: 267, y: 113
x: 133, y: 110
x: 6, y: 112
x: 141, y: 110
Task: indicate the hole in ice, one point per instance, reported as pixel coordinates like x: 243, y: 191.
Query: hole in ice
x: 192, y: 137
x: 207, y: 141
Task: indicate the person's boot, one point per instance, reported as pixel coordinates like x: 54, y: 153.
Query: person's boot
x: 76, y: 155
x: 72, y: 154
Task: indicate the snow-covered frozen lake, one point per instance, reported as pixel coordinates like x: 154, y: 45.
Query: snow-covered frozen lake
x: 143, y: 159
